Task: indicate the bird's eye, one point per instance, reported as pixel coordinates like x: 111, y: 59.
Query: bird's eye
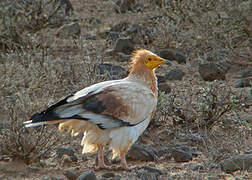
x: 149, y: 59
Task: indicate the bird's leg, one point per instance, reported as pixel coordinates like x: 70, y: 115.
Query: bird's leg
x: 124, y: 164
x: 101, y: 164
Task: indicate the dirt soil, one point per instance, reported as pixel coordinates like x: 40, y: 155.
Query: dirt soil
x: 95, y: 17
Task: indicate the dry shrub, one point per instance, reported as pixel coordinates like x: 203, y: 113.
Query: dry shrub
x: 206, y: 28
x: 217, y: 101
x: 31, y: 81
x: 213, y: 111
x: 20, y: 18
x: 202, y: 107
x: 29, y: 145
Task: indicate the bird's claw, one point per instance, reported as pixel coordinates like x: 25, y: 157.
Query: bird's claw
x: 120, y: 168
x: 99, y: 168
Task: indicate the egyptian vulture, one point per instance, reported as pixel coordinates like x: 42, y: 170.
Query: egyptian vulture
x: 113, y: 112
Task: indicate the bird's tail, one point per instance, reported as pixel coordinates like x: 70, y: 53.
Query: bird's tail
x: 49, y: 116
x: 42, y: 118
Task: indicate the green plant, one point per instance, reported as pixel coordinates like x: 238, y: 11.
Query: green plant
x: 217, y: 100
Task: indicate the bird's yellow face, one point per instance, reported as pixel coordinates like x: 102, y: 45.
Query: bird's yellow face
x: 153, y: 61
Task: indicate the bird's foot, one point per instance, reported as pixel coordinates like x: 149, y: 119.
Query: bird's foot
x: 120, y: 168
x: 124, y: 165
x: 103, y: 167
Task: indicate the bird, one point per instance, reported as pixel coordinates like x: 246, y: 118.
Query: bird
x: 113, y: 112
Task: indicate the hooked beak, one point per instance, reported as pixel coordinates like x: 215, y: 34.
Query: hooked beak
x: 164, y: 61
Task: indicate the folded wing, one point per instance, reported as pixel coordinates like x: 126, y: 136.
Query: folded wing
x: 108, y: 105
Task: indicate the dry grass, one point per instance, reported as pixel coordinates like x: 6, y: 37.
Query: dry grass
x: 216, y: 29
x: 204, y: 106
x: 21, y: 19
x: 211, y: 111
x: 31, y: 81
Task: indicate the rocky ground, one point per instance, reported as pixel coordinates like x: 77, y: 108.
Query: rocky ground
x: 202, y: 127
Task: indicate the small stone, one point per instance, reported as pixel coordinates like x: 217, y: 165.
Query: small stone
x: 52, y: 164
x: 172, y: 54
x: 66, y: 160
x: 195, y: 63
x: 124, y: 45
x: 67, y: 5
x: 227, y: 122
x: 46, y: 178
x: 66, y: 151
x: 218, y: 55
x: 238, y: 162
x: 166, y: 135
x: 120, y: 27
x: 150, y: 169
x: 134, y: 28
x: 113, y: 71
x: 141, y: 153
x: 212, y: 178
x: 42, y: 163
x: 242, y: 83
x: 160, y: 79
x: 248, y: 152
x: 3, y: 125
x: 108, y: 175
x: 163, y: 3
x: 117, y: 177
x: 22, y: 174
x: 195, y: 154
x: 84, y: 157
x: 214, y: 166
x: 164, y: 87
x: 180, y: 58
x: 167, y: 54
x: 181, y: 155
x: 109, y: 52
x: 122, y: 6
x: 212, y: 71
x: 194, y: 167
x: 123, y: 57
x: 55, y: 178
x: 71, y: 174
x: 89, y: 36
x: 94, y: 20
x: 197, y: 167
x: 191, y: 137
x: 163, y: 151
x: 69, y: 30
x: 143, y: 35
x: 33, y: 169
x: 138, y: 8
x: 5, y: 158
x: 113, y: 35
x: 174, y: 74
x: 88, y: 175
x: 103, y: 31
x: 147, y: 176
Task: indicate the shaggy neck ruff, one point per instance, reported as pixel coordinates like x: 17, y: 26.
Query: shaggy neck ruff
x: 140, y: 72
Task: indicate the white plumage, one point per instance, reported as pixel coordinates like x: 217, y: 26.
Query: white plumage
x: 113, y: 113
